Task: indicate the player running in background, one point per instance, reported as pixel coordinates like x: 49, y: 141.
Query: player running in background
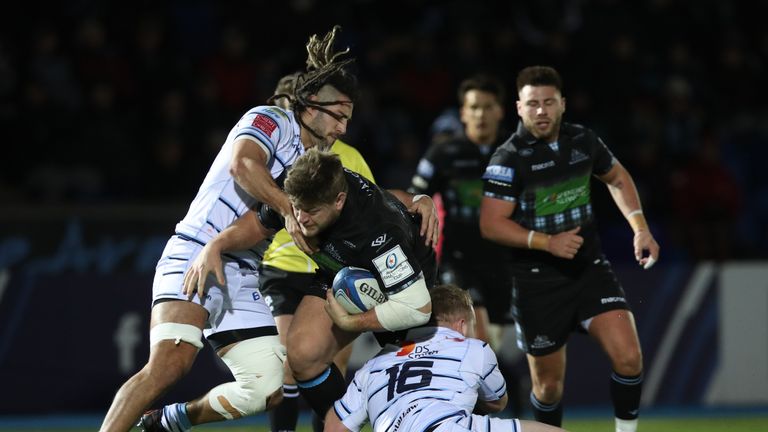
x: 233, y: 316
x: 432, y: 381
x: 453, y: 167
x: 538, y: 203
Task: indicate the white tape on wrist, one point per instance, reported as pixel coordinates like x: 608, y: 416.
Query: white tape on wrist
x: 530, y: 237
x: 649, y: 263
x: 632, y: 213
x: 417, y: 197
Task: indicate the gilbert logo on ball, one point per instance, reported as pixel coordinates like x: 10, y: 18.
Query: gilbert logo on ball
x: 357, y: 290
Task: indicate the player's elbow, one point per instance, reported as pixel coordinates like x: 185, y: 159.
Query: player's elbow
x: 493, y: 406
x: 487, y: 230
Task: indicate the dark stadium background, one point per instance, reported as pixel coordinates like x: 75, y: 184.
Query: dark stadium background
x: 111, y: 112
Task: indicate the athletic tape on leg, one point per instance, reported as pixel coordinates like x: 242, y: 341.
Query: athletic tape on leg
x: 177, y: 332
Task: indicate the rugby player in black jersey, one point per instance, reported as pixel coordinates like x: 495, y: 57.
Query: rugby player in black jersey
x: 537, y: 201
x: 350, y: 222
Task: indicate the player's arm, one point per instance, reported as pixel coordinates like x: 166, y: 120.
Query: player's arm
x: 242, y: 234
x: 408, y: 308
x: 421, y: 204
x: 624, y: 194
x: 496, y: 225
x: 249, y: 169
x: 333, y: 423
x: 491, y: 406
x: 492, y: 391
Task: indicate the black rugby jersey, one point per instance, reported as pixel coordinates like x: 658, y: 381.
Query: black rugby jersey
x: 376, y: 232
x: 454, y: 169
x: 551, y: 186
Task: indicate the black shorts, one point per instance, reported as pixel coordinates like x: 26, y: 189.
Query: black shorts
x: 284, y: 290
x: 549, y: 305
x: 489, y: 284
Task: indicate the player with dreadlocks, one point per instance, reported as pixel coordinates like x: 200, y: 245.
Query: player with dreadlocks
x: 232, y: 315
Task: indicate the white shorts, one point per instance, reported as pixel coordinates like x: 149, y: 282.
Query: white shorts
x: 238, y: 305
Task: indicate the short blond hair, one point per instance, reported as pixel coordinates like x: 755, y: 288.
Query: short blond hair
x: 449, y: 303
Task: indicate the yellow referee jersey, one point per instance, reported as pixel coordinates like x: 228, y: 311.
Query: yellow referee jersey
x: 283, y: 253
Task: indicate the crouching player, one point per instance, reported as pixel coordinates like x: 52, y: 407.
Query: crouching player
x: 432, y: 381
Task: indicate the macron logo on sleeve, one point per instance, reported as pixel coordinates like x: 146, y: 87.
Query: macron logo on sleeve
x: 499, y: 173
x: 264, y: 124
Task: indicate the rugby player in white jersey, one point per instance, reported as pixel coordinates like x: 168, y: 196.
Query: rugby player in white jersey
x: 232, y: 315
x: 432, y: 381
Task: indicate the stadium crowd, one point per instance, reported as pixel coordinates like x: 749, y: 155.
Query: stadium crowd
x: 101, y: 102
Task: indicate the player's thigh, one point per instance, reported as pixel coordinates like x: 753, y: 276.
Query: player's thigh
x: 312, y: 337
x: 283, y: 323
x: 283, y: 290
x: 616, y: 333
x: 545, y: 311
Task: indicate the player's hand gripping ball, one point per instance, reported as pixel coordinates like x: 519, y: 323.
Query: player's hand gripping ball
x: 357, y: 290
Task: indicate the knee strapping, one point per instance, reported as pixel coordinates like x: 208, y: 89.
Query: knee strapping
x: 178, y: 332
x: 257, y: 365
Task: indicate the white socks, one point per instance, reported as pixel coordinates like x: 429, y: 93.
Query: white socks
x: 626, y: 425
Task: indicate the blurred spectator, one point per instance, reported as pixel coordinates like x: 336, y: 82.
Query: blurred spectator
x: 707, y: 201
x: 170, y: 75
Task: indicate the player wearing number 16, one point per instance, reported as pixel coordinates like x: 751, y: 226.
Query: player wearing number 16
x: 432, y: 381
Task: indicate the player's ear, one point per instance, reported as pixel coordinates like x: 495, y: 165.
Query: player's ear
x: 341, y: 198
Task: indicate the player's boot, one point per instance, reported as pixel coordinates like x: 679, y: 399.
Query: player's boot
x: 150, y: 421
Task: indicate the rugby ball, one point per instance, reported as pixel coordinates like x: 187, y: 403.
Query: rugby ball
x: 357, y: 290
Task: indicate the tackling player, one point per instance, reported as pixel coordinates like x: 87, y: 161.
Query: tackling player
x: 233, y: 316
x: 432, y: 381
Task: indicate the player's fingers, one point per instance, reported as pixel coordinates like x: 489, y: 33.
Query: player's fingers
x: 201, y: 284
x: 220, y: 275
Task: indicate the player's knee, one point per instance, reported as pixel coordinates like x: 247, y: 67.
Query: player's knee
x: 548, y: 391
x: 629, y: 362
x: 257, y: 365
x: 306, y: 360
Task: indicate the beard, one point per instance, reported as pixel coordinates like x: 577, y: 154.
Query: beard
x: 548, y: 135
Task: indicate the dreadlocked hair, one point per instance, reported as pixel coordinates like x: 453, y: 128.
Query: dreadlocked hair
x: 324, y: 67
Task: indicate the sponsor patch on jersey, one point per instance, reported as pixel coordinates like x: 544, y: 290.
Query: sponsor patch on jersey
x: 393, y: 266
x: 543, y: 165
x: 264, y: 124
x: 499, y: 173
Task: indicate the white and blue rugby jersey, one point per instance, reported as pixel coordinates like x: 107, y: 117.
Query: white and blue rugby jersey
x: 436, y: 375
x: 220, y: 201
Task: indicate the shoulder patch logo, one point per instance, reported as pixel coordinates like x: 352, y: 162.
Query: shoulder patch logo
x: 499, y: 173
x: 379, y: 240
x: 264, y: 124
x: 393, y: 266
